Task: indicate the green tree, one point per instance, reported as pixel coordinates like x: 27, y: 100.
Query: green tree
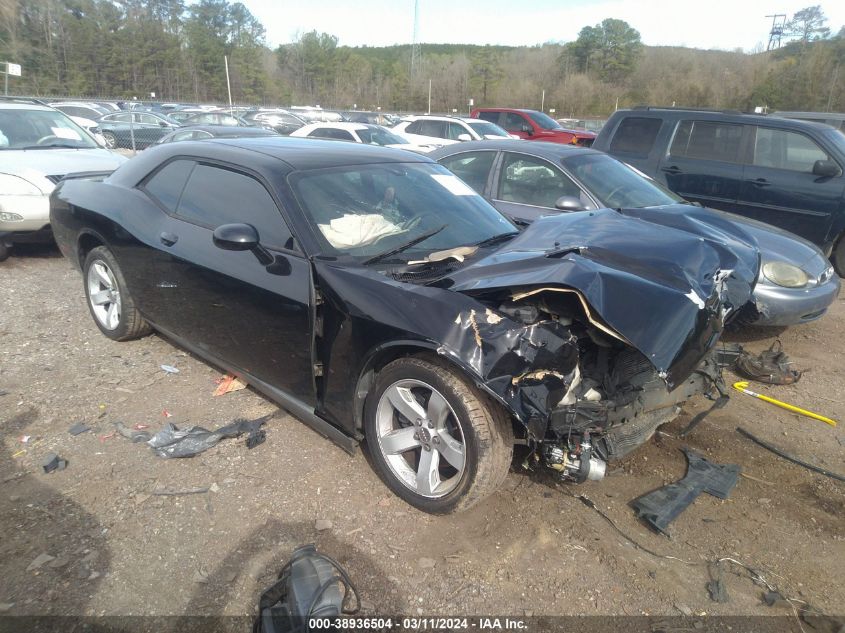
x: 808, y: 24
x: 609, y: 50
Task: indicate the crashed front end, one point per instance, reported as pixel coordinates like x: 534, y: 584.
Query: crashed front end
x: 591, y: 346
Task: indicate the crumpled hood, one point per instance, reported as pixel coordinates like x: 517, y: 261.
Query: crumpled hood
x: 663, y: 281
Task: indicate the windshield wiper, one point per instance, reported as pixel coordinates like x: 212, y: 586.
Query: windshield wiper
x: 398, y: 249
x: 496, y: 239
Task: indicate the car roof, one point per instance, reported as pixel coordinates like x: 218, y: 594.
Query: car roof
x: 727, y: 116
x: 309, y: 153
x: 222, y: 130
x: 5, y: 105
x: 342, y: 125
x: 549, y: 151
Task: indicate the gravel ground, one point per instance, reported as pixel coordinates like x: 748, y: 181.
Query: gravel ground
x: 93, y: 539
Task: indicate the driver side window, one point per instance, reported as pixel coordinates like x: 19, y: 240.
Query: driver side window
x: 529, y: 180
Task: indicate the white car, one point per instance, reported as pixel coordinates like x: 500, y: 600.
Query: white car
x: 38, y: 147
x: 365, y: 133
x: 446, y: 130
x: 91, y: 127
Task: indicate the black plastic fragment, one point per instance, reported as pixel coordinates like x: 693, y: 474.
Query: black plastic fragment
x: 662, y: 506
x: 716, y: 586
x: 78, y: 428
x: 255, y: 438
x: 53, y: 462
x: 172, y: 441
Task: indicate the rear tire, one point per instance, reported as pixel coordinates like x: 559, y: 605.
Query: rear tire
x: 111, y: 140
x: 444, y: 445
x: 109, y: 299
x: 837, y: 257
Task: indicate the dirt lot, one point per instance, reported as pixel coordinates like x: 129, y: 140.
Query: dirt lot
x: 532, y: 548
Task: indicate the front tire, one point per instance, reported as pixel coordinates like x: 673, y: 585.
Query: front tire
x: 109, y: 299
x: 5, y: 251
x: 437, y: 442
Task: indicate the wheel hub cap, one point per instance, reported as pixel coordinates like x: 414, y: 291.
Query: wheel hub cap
x: 420, y: 437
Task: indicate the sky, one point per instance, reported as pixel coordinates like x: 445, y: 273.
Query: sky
x: 720, y: 24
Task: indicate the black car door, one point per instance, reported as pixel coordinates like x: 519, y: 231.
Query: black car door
x: 704, y: 162
x: 779, y: 186
x: 226, y: 304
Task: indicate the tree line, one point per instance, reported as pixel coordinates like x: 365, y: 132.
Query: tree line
x: 175, y: 50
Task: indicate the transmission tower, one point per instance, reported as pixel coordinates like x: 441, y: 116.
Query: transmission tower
x: 775, y: 35
x: 415, y: 44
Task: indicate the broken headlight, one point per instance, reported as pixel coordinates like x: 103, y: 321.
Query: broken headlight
x: 785, y: 275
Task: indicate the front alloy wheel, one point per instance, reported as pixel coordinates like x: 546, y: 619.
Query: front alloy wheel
x: 420, y: 437
x: 435, y: 439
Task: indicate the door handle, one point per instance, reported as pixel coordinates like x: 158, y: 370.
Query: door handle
x: 672, y: 170
x: 168, y: 239
x: 760, y: 182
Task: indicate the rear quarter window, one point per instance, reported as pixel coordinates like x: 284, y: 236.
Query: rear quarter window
x: 635, y: 135
x: 708, y: 140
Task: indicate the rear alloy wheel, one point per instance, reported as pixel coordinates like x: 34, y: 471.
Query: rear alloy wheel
x: 111, y: 140
x: 109, y: 300
x: 437, y: 442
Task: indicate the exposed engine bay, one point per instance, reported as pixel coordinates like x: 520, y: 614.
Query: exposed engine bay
x: 604, y: 397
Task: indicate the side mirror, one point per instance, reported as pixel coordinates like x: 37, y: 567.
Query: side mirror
x: 527, y: 129
x: 464, y: 137
x: 826, y: 169
x: 241, y: 237
x: 569, y: 203
x: 163, y: 124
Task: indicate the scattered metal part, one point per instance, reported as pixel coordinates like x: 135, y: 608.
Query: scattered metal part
x: 787, y: 456
x: 131, y: 434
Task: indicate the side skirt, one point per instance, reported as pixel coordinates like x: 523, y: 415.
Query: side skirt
x: 292, y: 405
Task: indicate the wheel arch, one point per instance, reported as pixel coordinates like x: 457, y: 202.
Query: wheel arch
x: 87, y: 241
x: 383, y: 354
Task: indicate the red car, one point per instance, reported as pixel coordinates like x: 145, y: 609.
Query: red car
x: 533, y: 125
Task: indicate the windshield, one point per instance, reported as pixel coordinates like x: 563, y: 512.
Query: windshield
x: 485, y: 129
x: 375, y: 135
x: 543, y: 120
x: 40, y: 129
x: 615, y: 184
x: 367, y: 210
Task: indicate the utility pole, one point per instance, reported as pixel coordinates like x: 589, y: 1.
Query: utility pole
x: 415, y: 44
x: 429, y: 97
x: 228, y: 85
x: 543, y: 101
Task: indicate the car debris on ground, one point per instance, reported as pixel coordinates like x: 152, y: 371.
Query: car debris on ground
x: 52, y: 462
x: 172, y: 441
x: 662, y: 506
x: 771, y: 366
x: 787, y: 456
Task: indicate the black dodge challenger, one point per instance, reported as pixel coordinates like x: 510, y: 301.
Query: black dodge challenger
x: 378, y: 298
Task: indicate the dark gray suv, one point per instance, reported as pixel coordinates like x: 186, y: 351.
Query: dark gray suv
x: 780, y: 171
